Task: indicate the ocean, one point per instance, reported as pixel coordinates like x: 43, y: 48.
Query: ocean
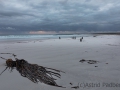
x: 10, y: 38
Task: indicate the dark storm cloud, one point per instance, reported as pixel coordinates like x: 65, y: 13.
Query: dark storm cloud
x: 23, y: 16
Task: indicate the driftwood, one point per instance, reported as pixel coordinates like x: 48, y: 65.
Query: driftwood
x: 33, y: 72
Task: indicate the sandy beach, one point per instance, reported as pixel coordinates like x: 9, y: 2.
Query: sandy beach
x: 92, y: 64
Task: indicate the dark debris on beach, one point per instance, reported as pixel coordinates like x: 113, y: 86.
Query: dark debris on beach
x: 89, y: 61
x: 33, y: 72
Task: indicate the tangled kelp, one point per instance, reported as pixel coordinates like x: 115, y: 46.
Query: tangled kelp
x: 33, y: 72
x: 89, y: 61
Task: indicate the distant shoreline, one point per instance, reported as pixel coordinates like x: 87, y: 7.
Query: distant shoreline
x: 107, y: 33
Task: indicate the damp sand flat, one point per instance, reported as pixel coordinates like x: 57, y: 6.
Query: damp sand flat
x: 65, y: 54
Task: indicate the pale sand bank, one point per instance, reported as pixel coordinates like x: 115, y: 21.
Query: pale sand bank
x: 65, y: 54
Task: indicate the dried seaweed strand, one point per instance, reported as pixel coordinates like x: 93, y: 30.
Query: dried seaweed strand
x: 33, y: 72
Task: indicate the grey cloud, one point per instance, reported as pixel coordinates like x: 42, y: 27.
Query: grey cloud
x: 11, y: 14
x: 59, y: 15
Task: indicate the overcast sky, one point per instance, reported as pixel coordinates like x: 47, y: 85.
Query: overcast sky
x: 37, y: 16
